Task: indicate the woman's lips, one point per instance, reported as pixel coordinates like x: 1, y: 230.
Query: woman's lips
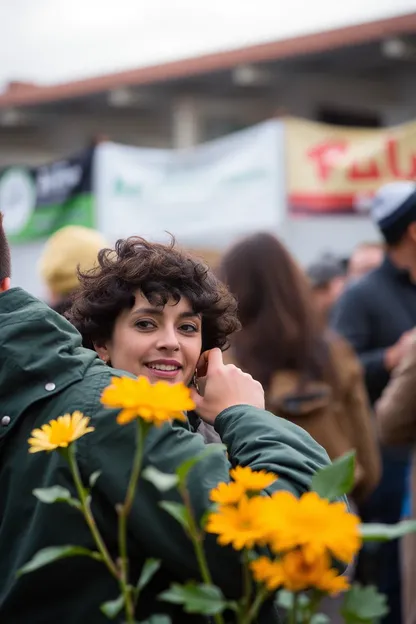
x: 163, y: 374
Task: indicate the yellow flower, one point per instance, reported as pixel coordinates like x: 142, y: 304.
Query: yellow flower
x: 252, y: 480
x: 268, y: 572
x: 313, y: 523
x: 332, y: 583
x: 227, y: 493
x: 295, y: 573
x: 155, y: 403
x: 59, y: 433
x: 240, y: 526
x: 299, y: 573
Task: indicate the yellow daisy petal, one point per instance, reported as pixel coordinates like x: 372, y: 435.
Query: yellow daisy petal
x: 241, y: 525
x: 314, y: 524
x: 268, y: 572
x: 155, y: 403
x: 300, y: 574
x: 252, y: 480
x: 227, y: 493
x: 59, y: 433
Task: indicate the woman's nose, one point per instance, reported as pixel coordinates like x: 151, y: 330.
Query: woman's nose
x: 168, y: 339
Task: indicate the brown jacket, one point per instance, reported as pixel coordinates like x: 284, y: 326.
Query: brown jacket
x: 337, y: 418
x: 396, y: 409
x: 396, y: 420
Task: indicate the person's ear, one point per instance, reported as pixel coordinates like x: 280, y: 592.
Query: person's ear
x: 103, y: 353
x: 5, y: 284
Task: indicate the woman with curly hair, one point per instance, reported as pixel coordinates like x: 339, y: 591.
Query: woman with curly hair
x: 151, y: 309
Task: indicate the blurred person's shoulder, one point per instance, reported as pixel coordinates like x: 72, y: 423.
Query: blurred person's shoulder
x: 346, y: 362
x: 364, y: 286
x: 340, y: 348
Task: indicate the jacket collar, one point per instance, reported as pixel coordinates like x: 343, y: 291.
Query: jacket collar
x: 398, y: 273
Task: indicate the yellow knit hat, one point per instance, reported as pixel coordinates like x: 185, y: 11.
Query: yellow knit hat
x: 68, y: 248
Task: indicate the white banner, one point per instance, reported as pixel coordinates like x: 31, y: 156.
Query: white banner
x: 205, y: 196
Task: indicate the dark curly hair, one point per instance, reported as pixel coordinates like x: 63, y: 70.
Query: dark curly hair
x: 159, y: 272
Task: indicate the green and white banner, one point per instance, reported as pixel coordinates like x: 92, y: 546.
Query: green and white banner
x: 37, y: 201
x: 205, y: 196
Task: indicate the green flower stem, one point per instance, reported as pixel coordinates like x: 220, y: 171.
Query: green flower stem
x: 197, y: 540
x: 312, y: 607
x: 252, y: 614
x: 247, y: 588
x: 293, y: 619
x: 86, y: 510
x: 123, y: 514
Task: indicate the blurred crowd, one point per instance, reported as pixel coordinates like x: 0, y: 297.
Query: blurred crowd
x: 334, y: 347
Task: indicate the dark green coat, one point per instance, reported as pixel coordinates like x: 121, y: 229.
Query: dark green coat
x: 44, y: 373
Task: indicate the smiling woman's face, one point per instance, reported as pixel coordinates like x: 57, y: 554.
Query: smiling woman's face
x: 158, y: 342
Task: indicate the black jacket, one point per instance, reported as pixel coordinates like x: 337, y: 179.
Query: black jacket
x: 372, y: 314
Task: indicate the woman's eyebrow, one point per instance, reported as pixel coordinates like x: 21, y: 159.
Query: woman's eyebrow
x: 148, y: 311
x: 189, y: 314
x: 159, y: 311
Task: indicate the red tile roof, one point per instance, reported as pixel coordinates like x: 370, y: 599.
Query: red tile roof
x: 26, y: 94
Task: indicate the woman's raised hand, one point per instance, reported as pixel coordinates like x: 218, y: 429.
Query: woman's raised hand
x: 224, y: 385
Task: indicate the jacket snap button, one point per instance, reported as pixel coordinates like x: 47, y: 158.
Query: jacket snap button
x: 50, y: 386
x: 5, y: 421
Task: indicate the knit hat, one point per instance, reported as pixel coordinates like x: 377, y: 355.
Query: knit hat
x: 324, y: 270
x: 394, y: 208
x: 70, y: 247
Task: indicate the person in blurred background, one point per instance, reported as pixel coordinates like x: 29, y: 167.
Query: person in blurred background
x: 310, y: 376
x: 377, y: 314
x: 68, y: 249
x: 396, y: 419
x: 327, y: 277
x: 364, y: 258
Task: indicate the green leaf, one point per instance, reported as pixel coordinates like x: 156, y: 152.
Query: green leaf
x: 157, y: 619
x: 285, y: 599
x: 113, y: 607
x: 94, y: 478
x: 334, y: 481
x: 184, y: 469
x: 363, y: 605
x: 161, y: 480
x: 320, y: 618
x: 203, y: 599
x: 151, y: 566
x: 53, y: 553
x: 387, y: 532
x: 177, y: 511
x: 54, y: 494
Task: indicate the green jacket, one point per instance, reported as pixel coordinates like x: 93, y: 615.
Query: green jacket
x: 44, y: 373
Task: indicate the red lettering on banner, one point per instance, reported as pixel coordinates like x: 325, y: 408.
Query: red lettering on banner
x: 393, y: 161
x: 364, y: 171
x: 325, y: 155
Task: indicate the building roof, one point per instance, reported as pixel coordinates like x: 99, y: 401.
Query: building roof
x: 22, y: 94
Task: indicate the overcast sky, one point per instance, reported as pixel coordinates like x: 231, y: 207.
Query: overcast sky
x: 59, y: 40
